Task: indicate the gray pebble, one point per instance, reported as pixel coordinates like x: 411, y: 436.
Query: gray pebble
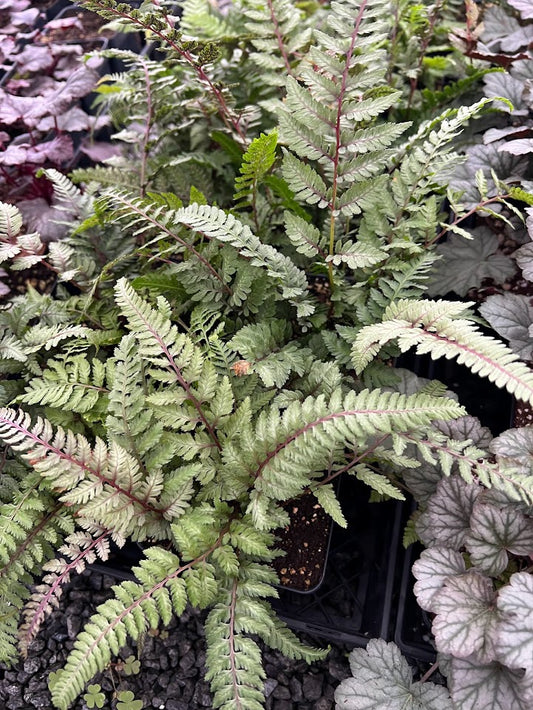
x: 296, y: 690
x: 312, y: 686
x: 270, y: 686
x: 31, y: 665
x: 282, y: 693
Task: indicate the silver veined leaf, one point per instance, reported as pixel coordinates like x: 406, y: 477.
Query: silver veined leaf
x: 422, y: 481
x: 467, y: 428
x: 511, y: 315
x: 383, y: 680
x: 515, y: 448
x: 524, y: 255
x: 465, y: 621
x: 495, y: 532
x: 490, y: 686
x: 515, y: 630
x: 464, y: 264
x: 449, y: 511
x: 432, y: 570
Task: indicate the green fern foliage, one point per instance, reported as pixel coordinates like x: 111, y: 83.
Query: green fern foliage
x: 256, y: 163
x: 33, y: 526
x: 72, y: 384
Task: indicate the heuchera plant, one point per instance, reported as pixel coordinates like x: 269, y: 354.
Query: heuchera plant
x: 191, y: 381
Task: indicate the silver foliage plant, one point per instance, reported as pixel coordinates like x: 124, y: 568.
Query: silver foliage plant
x: 188, y: 377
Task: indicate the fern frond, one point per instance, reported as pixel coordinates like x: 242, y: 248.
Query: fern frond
x: 264, y: 347
x: 98, y: 481
x: 72, y: 384
x: 279, y: 36
x: 47, y: 337
x: 10, y: 222
x: 31, y: 527
x: 172, y: 355
x: 472, y: 464
x: 433, y: 327
x: 136, y: 608
x: 214, y: 223
x: 256, y: 163
x: 286, y: 463
x: 80, y: 549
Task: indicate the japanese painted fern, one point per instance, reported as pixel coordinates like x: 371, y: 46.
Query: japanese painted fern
x: 225, y: 343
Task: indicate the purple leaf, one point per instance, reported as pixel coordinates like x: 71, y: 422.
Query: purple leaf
x: 35, y: 59
x: 79, y: 84
x: 43, y: 218
x: 62, y: 23
x: 99, y: 150
x: 14, y: 155
x: 75, y: 119
x: 58, y: 150
x: 24, y: 18
x: 18, y: 108
x: 14, y: 5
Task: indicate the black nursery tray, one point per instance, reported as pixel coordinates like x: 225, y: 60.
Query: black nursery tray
x: 413, y: 634
x: 354, y: 602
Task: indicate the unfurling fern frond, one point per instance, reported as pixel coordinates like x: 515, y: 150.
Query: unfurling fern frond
x: 434, y: 328
x: 256, y: 163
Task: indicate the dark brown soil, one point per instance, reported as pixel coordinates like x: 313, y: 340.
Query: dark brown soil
x: 523, y: 414
x: 39, y: 277
x: 305, y: 541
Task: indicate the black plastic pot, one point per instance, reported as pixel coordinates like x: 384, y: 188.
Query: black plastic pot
x: 355, y: 600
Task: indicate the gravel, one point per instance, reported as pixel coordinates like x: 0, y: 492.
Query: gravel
x: 172, y: 663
